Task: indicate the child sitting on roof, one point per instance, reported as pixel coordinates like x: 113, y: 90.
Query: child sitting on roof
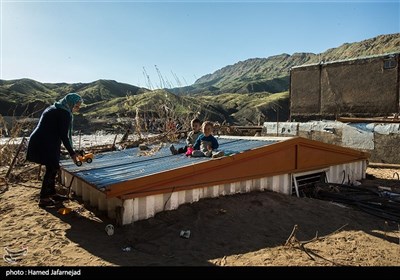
x: 206, y: 144
x: 190, y: 139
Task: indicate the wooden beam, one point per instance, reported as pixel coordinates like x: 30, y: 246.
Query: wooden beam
x: 383, y: 165
x: 368, y: 120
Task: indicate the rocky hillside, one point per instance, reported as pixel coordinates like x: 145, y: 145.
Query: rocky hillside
x: 272, y: 74
x: 378, y: 45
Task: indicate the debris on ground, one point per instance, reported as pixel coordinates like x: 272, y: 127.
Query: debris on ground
x: 371, y: 199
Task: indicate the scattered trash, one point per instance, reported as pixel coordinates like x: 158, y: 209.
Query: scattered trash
x: 391, y: 195
x: 221, y: 211
x: 127, y: 249
x: 185, y: 234
x: 11, y: 260
x: 64, y: 211
x: 339, y: 204
x: 109, y: 229
x: 22, y: 252
x: 14, y: 256
x: 376, y: 202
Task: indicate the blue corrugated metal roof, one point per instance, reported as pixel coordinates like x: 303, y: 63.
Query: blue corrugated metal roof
x: 119, y: 166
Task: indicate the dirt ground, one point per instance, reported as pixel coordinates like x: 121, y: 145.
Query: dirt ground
x: 241, y: 230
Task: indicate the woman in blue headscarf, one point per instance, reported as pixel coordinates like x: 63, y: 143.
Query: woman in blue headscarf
x: 54, y: 127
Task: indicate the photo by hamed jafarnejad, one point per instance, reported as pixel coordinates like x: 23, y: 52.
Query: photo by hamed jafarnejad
x: 38, y: 272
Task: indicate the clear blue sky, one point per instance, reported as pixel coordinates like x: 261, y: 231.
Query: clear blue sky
x: 83, y: 41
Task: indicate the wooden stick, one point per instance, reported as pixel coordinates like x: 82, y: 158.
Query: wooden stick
x: 322, y: 237
x: 15, y: 157
x: 292, y: 240
x: 306, y: 251
x: 70, y: 187
x: 115, y: 139
x: 292, y: 234
x: 383, y: 165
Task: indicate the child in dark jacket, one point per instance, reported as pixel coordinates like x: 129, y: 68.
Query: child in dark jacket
x: 206, y: 144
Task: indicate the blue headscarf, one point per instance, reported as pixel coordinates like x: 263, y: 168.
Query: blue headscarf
x: 67, y: 103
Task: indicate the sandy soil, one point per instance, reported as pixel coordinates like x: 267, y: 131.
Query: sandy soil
x: 240, y: 230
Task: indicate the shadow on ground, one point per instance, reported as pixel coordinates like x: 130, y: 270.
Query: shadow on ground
x: 219, y: 227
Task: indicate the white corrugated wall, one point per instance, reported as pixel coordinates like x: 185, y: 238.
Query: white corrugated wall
x: 145, y: 207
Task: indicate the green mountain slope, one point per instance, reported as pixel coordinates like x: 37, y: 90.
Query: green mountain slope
x: 26, y: 96
x: 249, y: 91
x: 248, y: 108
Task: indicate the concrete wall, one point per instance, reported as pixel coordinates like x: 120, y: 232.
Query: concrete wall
x: 380, y: 140
x: 360, y: 88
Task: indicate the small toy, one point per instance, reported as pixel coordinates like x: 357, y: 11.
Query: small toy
x: 189, y: 151
x: 87, y: 157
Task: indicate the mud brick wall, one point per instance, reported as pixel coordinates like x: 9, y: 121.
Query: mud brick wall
x: 305, y: 93
x: 361, y: 88
x: 358, y: 88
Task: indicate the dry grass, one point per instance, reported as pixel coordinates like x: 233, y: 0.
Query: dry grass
x: 13, y: 151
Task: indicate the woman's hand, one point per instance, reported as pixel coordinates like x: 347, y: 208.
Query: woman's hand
x: 74, y: 157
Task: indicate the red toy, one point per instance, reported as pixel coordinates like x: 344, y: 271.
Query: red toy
x: 189, y: 151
